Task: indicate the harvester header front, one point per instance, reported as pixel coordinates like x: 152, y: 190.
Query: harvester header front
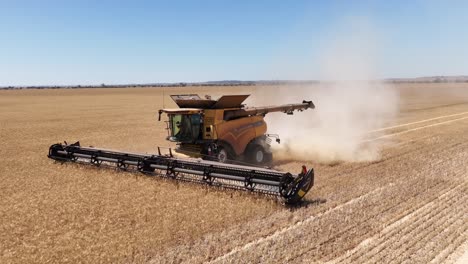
x: 290, y: 187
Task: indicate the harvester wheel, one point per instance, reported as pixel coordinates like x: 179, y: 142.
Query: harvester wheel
x: 259, y: 156
x: 222, y: 156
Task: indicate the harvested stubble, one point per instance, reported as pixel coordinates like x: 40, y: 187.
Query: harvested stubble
x: 410, y: 205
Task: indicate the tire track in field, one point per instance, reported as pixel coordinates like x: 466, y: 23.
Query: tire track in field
x: 278, y: 233
x: 384, y: 233
x: 356, y: 228
x: 304, y: 222
x: 450, y: 237
x: 310, y: 219
x: 384, y: 252
x: 375, y: 244
x: 455, y: 251
x: 414, y: 129
x: 295, y: 252
x: 287, y: 229
x: 424, y: 233
x: 443, y: 239
x: 400, y: 154
x: 391, y: 234
x: 443, y: 106
x: 380, y: 166
x: 416, y: 122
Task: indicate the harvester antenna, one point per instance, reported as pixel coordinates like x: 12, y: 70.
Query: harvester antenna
x: 164, y: 95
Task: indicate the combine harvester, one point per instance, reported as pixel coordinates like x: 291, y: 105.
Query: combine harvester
x: 215, y: 172
x: 224, y: 130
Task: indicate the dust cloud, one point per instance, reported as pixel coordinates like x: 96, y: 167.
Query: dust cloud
x: 350, y: 102
x: 335, y: 131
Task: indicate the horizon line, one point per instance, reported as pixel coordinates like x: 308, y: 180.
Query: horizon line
x: 434, y: 78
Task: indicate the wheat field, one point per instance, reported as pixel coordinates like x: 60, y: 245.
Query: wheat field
x: 409, y: 206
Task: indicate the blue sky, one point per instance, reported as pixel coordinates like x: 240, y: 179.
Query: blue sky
x: 93, y: 42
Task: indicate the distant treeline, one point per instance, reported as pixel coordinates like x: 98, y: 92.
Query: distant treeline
x: 150, y: 85
x: 441, y: 79
x: 125, y: 85
x: 423, y: 80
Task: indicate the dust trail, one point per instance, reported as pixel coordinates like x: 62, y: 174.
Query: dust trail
x: 349, y: 103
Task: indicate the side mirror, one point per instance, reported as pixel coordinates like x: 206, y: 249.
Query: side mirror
x: 160, y: 113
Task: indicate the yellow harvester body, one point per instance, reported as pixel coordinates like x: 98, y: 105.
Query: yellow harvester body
x: 223, y: 129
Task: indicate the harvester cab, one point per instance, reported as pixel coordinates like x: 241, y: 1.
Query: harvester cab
x: 223, y: 130
x: 184, y: 125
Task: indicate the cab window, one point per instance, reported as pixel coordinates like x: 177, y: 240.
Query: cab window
x: 185, y: 127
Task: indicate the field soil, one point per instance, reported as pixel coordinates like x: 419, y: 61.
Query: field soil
x: 409, y: 206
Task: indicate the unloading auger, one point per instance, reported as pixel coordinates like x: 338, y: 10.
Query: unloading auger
x: 290, y: 187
